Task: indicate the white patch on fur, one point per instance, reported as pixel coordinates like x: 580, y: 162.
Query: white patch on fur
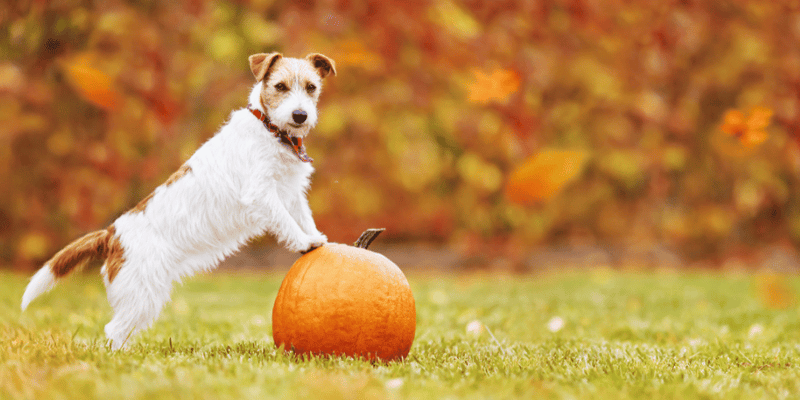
x: 41, y: 282
x: 255, y: 97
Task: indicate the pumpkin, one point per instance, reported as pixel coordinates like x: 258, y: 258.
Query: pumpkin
x: 345, y: 300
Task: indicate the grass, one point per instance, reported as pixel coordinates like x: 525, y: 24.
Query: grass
x: 596, y: 334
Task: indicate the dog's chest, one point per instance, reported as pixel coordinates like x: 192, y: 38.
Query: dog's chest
x: 290, y: 177
x: 278, y: 170
x: 243, y: 155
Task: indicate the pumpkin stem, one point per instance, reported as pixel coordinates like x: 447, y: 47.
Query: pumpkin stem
x: 367, y: 237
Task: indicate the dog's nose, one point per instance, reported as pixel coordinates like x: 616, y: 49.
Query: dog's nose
x: 299, y: 116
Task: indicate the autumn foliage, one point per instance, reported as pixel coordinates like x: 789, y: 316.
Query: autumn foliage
x: 685, y: 115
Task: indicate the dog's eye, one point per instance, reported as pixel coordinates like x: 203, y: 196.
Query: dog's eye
x: 310, y: 88
x: 281, y: 87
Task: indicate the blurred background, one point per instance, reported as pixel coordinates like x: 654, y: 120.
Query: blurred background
x: 482, y: 134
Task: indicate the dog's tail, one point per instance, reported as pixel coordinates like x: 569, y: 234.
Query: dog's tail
x: 92, y: 246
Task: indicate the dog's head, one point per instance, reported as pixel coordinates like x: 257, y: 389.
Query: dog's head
x: 290, y: 88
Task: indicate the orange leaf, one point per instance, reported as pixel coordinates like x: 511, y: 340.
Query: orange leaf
x: 754, y: 137
x: 733, y: 122
x: 759, y: 118
x: 91, y: 83
x: 748, y: 129
x: 543, y: 175
x: 497, y: 85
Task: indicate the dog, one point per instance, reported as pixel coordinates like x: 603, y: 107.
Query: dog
x: 249, y: 179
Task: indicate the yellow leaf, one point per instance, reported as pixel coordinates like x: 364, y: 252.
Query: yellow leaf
x: 543, y: 175
x: 454, y: 19
x: 91, y: 83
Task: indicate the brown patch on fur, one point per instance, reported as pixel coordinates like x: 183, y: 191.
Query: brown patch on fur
x: 180, y: 173
x: 90, y: 246
x: 262, y: 63
x: 142, y: 204
x: 93, y: 246
x: 324, y: 65
x: 115, y: 255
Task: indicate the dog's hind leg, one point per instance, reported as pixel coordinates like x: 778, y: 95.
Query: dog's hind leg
x: 137, y: 300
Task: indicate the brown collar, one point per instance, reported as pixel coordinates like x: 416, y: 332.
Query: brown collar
x: 295, y: 144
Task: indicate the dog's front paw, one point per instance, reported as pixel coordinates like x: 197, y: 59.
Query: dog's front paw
x: 315, y: 241
x: 318, y: 240
x: 307, y: 243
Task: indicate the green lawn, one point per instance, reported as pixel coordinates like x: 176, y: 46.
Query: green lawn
x: 598, y: 334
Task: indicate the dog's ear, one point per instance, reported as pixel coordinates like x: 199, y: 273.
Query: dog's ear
x: 322, y: 64
x: 261, y: 64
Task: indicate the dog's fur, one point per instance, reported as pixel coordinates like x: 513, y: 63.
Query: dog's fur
x: 240, y: 184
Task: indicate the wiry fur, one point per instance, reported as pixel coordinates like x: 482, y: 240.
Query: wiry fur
x: 240, y: 184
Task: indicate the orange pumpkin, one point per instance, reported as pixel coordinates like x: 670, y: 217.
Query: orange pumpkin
x: 345, y: 300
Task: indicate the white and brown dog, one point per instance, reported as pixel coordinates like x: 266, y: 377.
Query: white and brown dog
x: 249, y: 179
